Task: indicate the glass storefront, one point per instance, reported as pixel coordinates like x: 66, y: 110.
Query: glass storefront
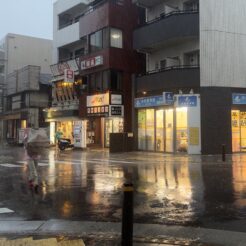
x: 238, y: 123
x: 66, y: 127
x: 112, y: 125
x: 181, y: 130
x: 156, y: 130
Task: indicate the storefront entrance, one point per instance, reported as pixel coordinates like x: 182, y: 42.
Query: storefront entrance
x: 238, y: 122
x: 156, y: 130
x: 112, y: 125
x: 99, y: 129
x: 169, y: 128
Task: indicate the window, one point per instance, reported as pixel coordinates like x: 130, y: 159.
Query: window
x: 1, y: 69
x: 192, y: 58
x: 96, y: 41
x: 79, y: 52
x: 115, y: 80
x: 191, y: 5
x: 163, y: 64
x: 92, y: 82
x: 105, y: 38
x: 119, y: 2
x: 98, y: 81
x: 105, y: 82
x: 116, y: 39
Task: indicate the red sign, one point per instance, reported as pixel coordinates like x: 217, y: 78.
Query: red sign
x: 58, y: 69
x: 68, y: 75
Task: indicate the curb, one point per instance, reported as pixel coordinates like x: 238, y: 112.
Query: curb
x: 83, y: 228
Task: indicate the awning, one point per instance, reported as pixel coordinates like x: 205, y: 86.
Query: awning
x: 11, y: 117
x: 64, y: 119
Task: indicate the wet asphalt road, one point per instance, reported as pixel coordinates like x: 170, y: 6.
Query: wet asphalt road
x: 87, y: 185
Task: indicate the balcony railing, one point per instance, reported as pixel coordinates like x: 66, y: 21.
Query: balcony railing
x: 164, y: 16
x: 168, y: 69
x: 177, y: 25
x: 91, y: 9
x: 184, y: 76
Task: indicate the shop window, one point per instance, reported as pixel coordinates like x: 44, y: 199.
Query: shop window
x: 116, y: 39
x: 181, y: 130
x: 141, y: 129
x: 235, y: 123
x: 238, y: 123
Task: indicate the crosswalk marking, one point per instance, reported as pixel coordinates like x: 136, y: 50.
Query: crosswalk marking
x: 5, y: 210
x: 45, y: 162
x: 109, y: 160
x: 9, y: 165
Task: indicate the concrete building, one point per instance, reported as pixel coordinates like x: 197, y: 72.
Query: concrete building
x: 93, y: 41
x: 195, y: 54
x: 24, y: 63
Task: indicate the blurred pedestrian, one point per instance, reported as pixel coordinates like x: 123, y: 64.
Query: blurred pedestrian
x: 33, y: 155
x: 35, y: 144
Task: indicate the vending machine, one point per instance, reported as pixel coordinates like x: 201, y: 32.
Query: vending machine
x: 79, y: 133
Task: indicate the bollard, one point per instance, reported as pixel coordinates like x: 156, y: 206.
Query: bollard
x: 223, y: 153
x: 127, y: 216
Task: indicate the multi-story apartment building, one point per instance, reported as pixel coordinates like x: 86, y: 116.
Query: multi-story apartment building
x: 192, y: 96
x: 17, y: 52
x: 28, y: 94
x: 93, y: 39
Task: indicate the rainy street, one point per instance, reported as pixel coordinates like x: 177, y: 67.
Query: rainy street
x: 200, y: 191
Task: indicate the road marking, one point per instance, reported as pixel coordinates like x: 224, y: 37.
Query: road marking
x: 42, y: 164
x: 109, y: 160
x: 5, y: 211
x: 9, y: 165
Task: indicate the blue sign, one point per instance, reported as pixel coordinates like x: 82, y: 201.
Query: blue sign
x: 145, y: 102
x: 187, y: 101
x: 168, y: 98
x: 238, y: 98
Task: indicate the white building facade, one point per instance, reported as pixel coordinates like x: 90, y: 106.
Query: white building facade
x: 18, y: 52
x: 193, y: 48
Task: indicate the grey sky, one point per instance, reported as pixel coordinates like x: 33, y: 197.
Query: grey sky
x: 27, y: 17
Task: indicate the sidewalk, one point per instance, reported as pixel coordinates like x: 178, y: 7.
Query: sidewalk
x: 144, y: 234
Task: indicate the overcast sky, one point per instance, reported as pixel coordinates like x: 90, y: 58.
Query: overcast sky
x: 27, y: 17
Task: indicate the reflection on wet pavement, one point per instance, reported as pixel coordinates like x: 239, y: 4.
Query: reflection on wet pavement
x: 87, y: 185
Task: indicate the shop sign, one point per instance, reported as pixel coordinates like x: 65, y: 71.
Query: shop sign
x: 98, y: 111
x: 116, y: 99
x: 145, y: 102
x: 91, y: 62
x: 194, y: 135
x: 116, y: 110
x: 243, y: 119
x: 238, y: 98
x: 168, y: 98
x: 187, y: 101
x: 235, y: 118
x: 58, y: 69
x: 68, y: 76
x: 97, y: 100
